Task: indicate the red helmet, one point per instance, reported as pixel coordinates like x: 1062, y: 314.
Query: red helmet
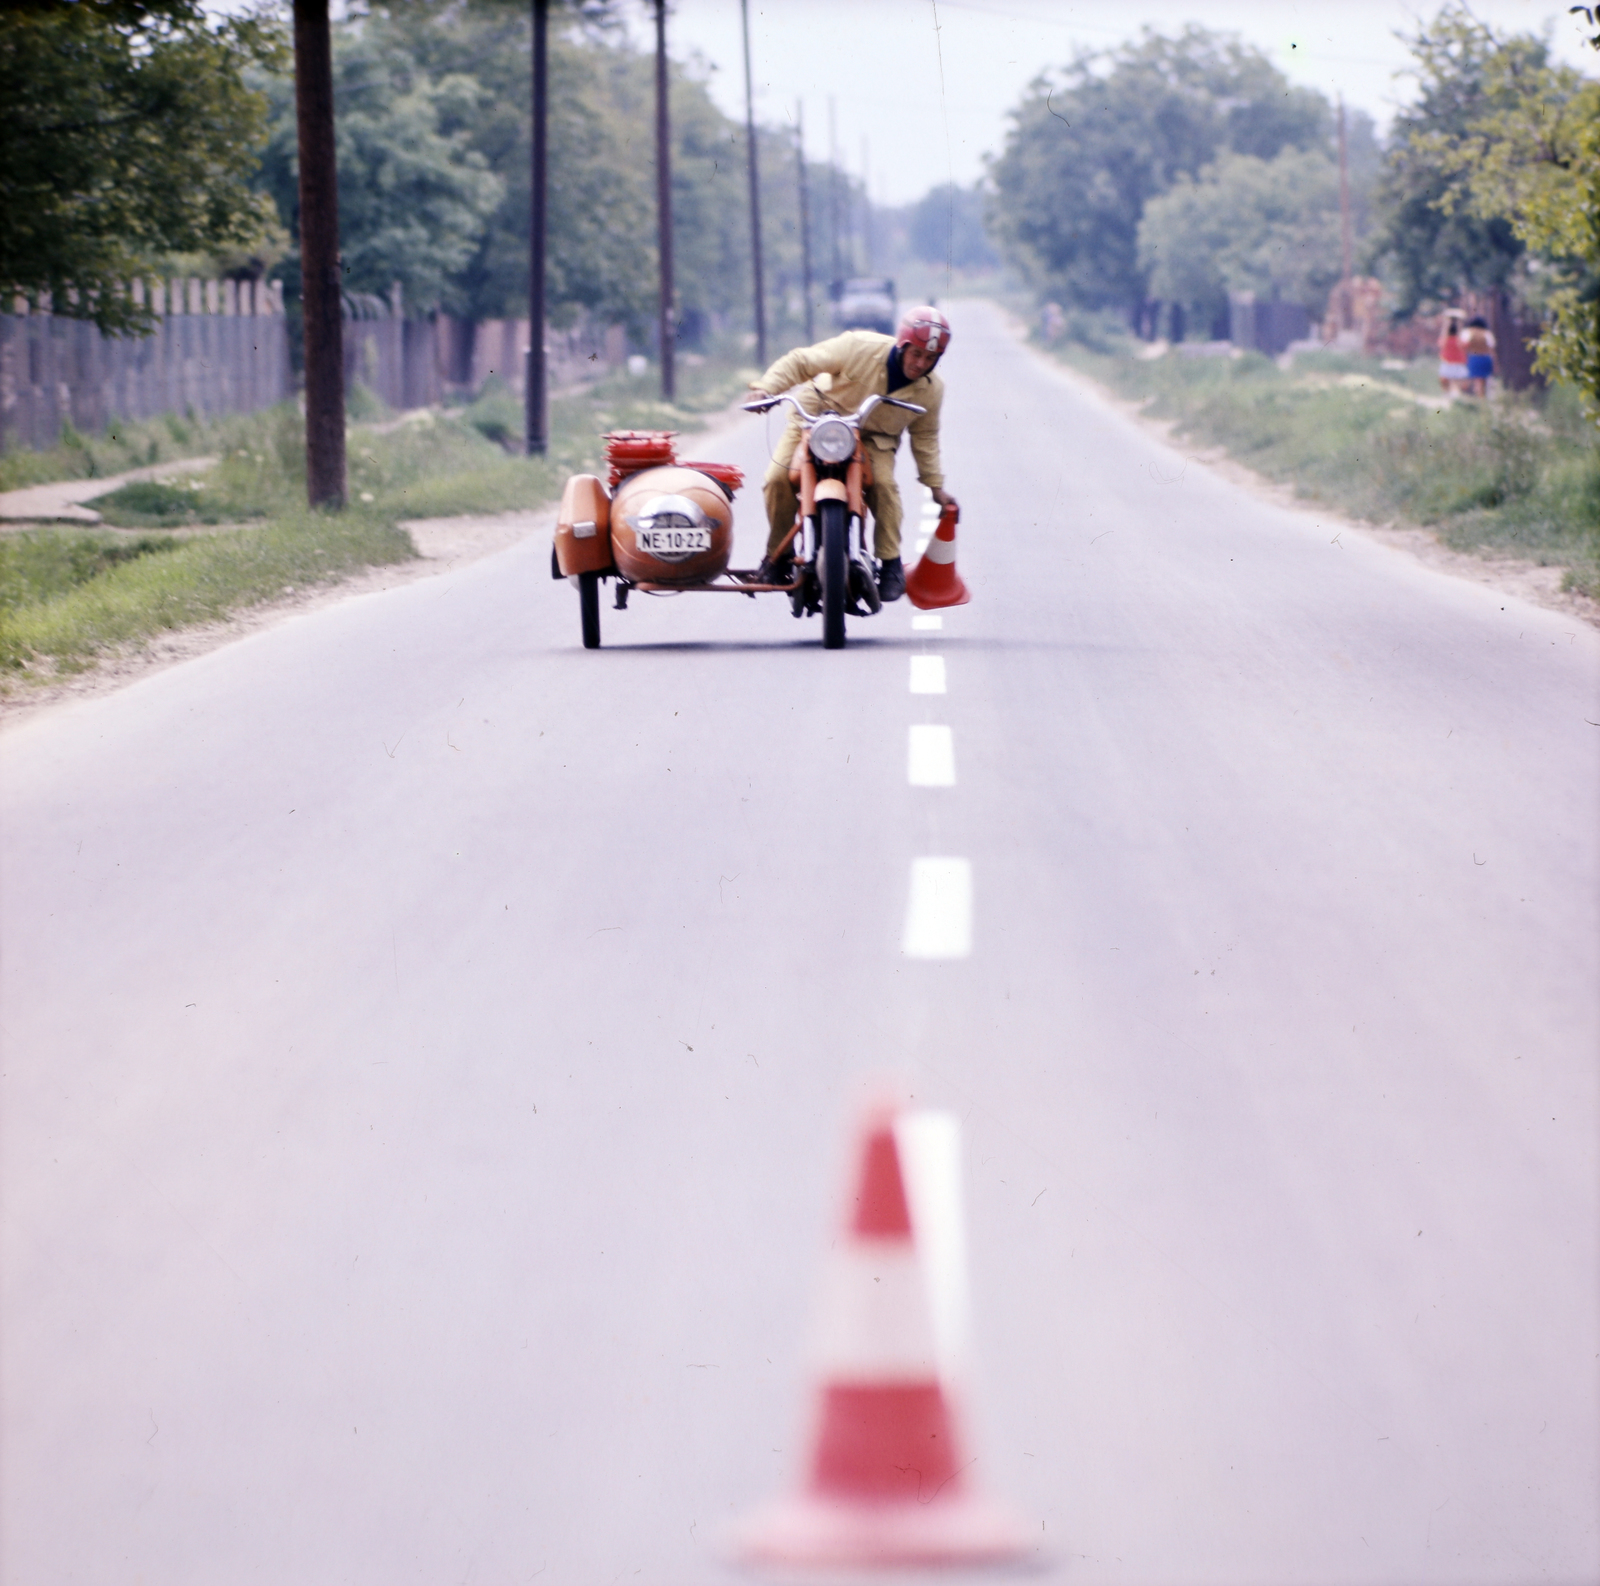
x: 927, y: 327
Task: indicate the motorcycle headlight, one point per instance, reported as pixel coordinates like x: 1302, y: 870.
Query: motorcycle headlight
x: 832, y: 441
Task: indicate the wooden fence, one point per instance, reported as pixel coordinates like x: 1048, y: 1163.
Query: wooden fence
x: 413, y: 363
x: 218, y: 347
x: 223, y: 347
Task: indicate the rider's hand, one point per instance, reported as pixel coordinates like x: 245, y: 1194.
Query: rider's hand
x: 758, y: 388
x: 944, y: 498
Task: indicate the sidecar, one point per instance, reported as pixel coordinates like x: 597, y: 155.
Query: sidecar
x: 655, y: 524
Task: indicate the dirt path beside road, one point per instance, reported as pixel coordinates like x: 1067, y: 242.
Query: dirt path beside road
x: 62, y: 500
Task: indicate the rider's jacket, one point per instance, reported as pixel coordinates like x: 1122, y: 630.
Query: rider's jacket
x: 843, y: 372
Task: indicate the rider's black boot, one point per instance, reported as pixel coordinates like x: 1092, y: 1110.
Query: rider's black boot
x: 775, y: 570
x: 891, y: 578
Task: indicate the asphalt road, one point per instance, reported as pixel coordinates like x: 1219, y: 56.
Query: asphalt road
x: 428, y: 1048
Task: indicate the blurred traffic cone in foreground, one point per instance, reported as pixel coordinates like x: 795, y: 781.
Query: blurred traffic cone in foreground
x: 934, y: 581
x: 889, y: 1481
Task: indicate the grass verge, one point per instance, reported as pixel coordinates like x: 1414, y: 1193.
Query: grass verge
x: 1519, y: 477
x: 68, y: 596
x: 123, y: 446
x: 188, y: 582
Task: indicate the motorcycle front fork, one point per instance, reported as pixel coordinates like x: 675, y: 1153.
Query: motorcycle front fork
x: 858, y: 528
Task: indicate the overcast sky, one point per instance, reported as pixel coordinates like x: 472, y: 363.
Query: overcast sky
x: 927, y: 83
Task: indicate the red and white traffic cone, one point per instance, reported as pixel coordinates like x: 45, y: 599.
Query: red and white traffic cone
x: 934, y: 581
x: 888, y: 1481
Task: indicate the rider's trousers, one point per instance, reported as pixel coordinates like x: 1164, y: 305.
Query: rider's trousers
x: 882, y: 497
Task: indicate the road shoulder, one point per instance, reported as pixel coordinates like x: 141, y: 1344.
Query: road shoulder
x: 1531, y: 581
x: 443, y: 546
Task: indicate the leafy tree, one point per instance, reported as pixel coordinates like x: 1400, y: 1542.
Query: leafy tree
x: 1247, y: 224
x: 1562, y: 221
x: 710, y: 201
x: 413, y: 194
x: 947, y: 227
x: 433, y: 129
x: 1363, y: 166
x: 128, y: 133
x: 1094, y: 142
x: 1430, y: 240
x: 1533, y: 159
x: 600, y: 242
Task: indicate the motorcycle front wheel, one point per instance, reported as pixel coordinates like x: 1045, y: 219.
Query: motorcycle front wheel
x: 834, y: 522
x: 589, y: 609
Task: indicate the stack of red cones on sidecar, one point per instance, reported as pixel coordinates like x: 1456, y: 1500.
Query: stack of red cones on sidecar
x: 934, y: 581
x: 888, y: 1480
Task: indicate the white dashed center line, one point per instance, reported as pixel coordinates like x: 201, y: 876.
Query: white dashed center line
x: 931, y: 757
x: 939, y: 910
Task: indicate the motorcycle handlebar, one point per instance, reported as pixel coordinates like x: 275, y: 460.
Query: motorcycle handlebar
x: 768, y: 403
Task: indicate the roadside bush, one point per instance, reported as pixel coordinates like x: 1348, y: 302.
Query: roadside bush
x: 1100, y: 331
x: 135, y: 594
x: 497, y: 415
x: 160, y: 504
x: 1519, y: 477
x: 363, y: 405
x: 38, y: 564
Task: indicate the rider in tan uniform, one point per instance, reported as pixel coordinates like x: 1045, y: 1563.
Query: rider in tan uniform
x: 842, y: 372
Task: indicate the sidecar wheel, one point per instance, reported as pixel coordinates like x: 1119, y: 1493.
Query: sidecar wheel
x: 589, y: 608
x: 835, y: 571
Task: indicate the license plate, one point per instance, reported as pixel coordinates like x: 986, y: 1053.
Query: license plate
x: 674, y: 542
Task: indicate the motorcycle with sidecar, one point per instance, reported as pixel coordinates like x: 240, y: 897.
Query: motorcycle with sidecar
x: 665, y: 527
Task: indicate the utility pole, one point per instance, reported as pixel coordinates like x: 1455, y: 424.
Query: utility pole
x: 321, y: 286
x: 1344, y: 196
x: 669, y: 373
x: 833, y: 194
x: 866, y: 207
x: 1346, y: 293
x: 755, y: 192
x: 805, y: 213
x: 536, y: 425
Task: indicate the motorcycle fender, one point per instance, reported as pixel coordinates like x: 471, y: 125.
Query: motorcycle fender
x: 831, y: 490
x: 583, y: 527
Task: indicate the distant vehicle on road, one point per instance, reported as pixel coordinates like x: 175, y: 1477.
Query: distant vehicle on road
x: 865, y: 302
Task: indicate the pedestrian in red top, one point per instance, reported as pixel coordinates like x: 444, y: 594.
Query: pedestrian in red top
x: 1452, y: 356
